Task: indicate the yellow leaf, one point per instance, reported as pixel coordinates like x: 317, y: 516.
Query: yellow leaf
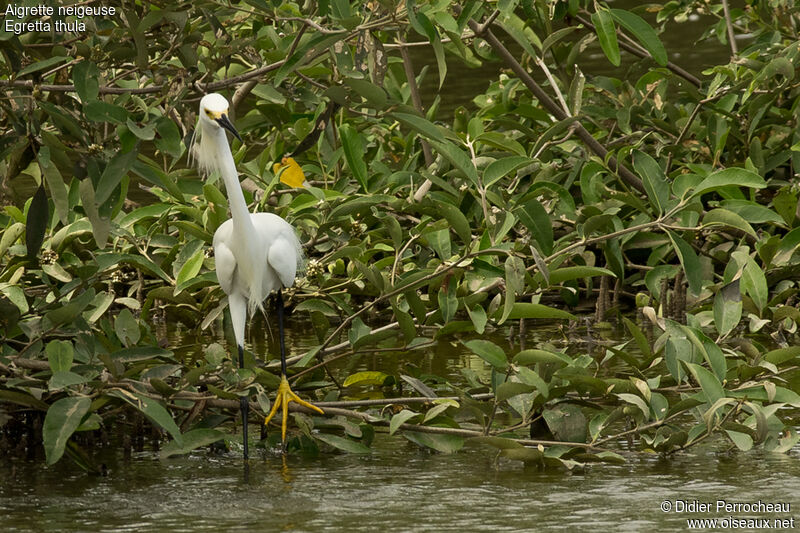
x: 290, y: 172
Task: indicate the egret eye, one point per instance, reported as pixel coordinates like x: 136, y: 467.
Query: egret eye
x: 208, y: 112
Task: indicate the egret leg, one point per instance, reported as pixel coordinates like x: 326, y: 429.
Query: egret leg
x: 279, y: 307
x: 244, y: 405
x: 285, y: 393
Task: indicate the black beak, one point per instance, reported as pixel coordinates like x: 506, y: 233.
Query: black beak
x: 225, y: 123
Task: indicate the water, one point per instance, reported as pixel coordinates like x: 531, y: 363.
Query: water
x: 682, y: 45
x: 396, y: 488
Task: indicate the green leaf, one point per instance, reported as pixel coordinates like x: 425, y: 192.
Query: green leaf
x: 516, y: 28
x: 743, y: 441
x: 399, y: 419
x: 753, y: 212
x: 85, y: 76
x: 57, y: 188
x: 526, y: 455
x: 723, y: 217
x: 154, y: 411
x: 421, y: 125
x: 354, y: 154
x: 567, y: 422
x: 709, y: 383
x: 643, y: 33
x: 191, y: 440
x: 141, y: 353
x: 458, y: 222
x: 59, y: 355
x: 116, y: 169
x: 99, y: 111
x: 489, y: 352
x: 448, y: 302
x: 440, y: 443
x: 101, y: 226
x: 727, y: 308
x: 357, y: 332
x: 533, y: 356
x: 367, y: 377
x: 127, y: 328
x: 342, y: 443
x: 782, y: 355
x: 41, y: 65
x: 637, y: 401
x: 169, y: 137
x: 36, y: 222
x: 457, y: 158
x: 407, y: 326
x: 189, y: 270
x: 374, y: 94
x: 530, y: 310
x: 577, y: 272
x: 738, y: 177
x: 538, y: 222
x: 509, y: 389
x: 531, y: 377
x: 436, y: 44
x: 317, y: 43
x: 63, y: 379
x: 68, y: 311
x: 607, y: 35
x: 145, y: 133
x: 654, y: 180
x: 62, y: 419
x: 499, y: 168
x: 478, y: 317
x: 689, y: 261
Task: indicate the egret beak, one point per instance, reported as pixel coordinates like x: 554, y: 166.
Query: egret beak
x: 226, y: 123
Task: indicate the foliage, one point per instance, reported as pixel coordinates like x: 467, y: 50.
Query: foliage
x: 522, y: 207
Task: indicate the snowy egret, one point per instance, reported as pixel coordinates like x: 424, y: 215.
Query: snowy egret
x: 255, y: 253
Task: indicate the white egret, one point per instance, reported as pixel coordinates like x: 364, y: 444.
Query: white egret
x: 255, y: 253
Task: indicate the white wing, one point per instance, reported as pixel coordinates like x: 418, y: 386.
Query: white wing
x: 223, y: 257
x: 284, y: 251
x: 283, y: 259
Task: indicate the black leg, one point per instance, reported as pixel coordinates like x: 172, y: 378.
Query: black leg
x: 244, y: 404
x: 279, y: 306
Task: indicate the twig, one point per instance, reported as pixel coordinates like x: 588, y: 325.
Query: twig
x: 729, y: 24
x: 242, y: 92
x: 634, y: 48
x: 554, y: 85
x: 408, y: 67
x: 627, y: 176
x: 457, y: 432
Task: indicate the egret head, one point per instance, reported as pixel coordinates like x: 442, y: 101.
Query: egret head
x: 214, y: 113
x: 209, y: 141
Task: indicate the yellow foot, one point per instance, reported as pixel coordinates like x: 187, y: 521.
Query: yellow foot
x: 284, y: 396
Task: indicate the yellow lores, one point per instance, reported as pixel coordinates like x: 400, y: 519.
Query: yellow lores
x: 285, y: 395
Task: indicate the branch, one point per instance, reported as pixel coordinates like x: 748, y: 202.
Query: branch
x: 729, y: 24
x: 627, y: 176
x: 200, y: 87
x: 634, y: 48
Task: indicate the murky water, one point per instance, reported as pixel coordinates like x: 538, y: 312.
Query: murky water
x: 396, y: 488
